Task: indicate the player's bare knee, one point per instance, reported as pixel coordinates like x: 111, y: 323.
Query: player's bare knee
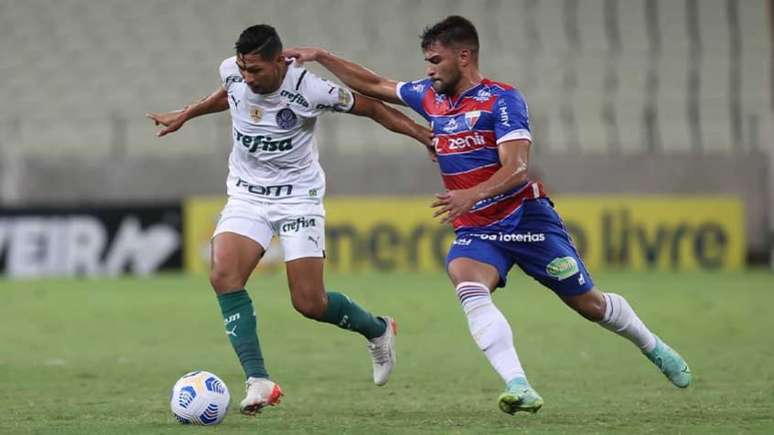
x: 592, y: 313
x: 311, y: 307
x: 223, y: 280
x: 460, y: 269
x: 454, y: 279
x: 590, y: 305
x: 464, y: 270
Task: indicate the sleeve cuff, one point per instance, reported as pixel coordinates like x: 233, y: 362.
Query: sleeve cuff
x: 397, y: 92
x: 515, y: 135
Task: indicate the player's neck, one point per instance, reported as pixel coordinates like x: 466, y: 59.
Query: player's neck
x: 469, y: 80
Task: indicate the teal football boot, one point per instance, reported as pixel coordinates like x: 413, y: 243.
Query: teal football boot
x: 519, y: 396
x: 671, y: 364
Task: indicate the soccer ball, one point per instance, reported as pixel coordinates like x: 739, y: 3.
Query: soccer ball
x: 199, y: 398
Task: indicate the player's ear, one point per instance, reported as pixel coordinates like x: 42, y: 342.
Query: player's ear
x: 464, y: 56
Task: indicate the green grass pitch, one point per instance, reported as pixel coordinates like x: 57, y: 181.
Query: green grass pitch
x: 100, y: 356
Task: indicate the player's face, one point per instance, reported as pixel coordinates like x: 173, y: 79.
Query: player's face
x: 442, y: 68
x: 261, y: 75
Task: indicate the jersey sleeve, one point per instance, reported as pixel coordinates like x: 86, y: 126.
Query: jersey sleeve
x: 511, y: 117
x: 229, y: 73
x: 323, y: 95
x: 413, y: 94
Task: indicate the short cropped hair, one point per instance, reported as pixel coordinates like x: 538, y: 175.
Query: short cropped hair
x: 453, y: 31
x: 261, y: 39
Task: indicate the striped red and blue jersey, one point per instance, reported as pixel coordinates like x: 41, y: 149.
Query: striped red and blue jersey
x: 467, y: 130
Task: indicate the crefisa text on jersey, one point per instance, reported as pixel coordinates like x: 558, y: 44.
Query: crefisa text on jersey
x: 294, y: 98
x: 264, y: 143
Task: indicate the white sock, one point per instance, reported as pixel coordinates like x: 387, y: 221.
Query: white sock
x: 621, y: 319
x: 489, y: 329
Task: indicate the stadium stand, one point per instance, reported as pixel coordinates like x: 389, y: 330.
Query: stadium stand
x: 592, y: 70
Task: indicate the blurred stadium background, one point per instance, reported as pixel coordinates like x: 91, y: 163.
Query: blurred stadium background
x: 626, y: 97
x: 651, y: 119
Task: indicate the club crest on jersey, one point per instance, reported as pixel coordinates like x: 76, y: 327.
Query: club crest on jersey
x: 256, y: 114
x: 286, y: 118
x: 471, y: 118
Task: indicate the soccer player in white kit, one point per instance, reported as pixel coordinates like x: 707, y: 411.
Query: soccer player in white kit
x: 275, y: 187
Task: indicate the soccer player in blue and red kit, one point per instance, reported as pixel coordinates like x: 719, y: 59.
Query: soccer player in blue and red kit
x: 501, y: 218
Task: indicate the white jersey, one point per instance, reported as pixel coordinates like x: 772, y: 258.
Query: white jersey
x: 275, y: 154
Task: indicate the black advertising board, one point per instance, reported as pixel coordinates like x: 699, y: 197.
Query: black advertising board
x: 90, y: 241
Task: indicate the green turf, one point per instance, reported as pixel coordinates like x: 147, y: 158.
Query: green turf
x: 100, y: 356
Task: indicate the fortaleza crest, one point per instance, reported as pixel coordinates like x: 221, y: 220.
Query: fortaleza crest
x: 256, y: 114
x: 562, y: 268
x: 471, y: 118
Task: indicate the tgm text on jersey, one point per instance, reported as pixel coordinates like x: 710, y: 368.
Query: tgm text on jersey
x: 278, y: 190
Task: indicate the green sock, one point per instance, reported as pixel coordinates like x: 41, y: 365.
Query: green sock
x: 346, y: 314
x: 241, y: 329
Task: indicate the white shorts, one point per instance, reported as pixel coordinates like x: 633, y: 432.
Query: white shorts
x: 300, y: 226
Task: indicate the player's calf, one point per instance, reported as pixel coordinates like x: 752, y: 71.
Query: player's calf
x: 490, y: 329
x: 620, y: 318
x: 311, y: 307
x: 590, y: 305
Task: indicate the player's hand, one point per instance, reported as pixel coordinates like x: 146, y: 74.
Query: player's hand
x: 172, y: 121
x: 302, y: 54
x: 453, y: 204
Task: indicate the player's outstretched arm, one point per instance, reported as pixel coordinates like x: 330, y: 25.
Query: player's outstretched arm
x: 393, y: 120
x: 355, y: 76
x: 172, y: 121
x: 514, y: 157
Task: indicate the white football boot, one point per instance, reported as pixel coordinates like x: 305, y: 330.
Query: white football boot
x: 382, y: 351
x: 260, y: 392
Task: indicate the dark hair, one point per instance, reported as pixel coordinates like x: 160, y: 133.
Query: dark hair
x: 453, y: 31
x: 260, y: 39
